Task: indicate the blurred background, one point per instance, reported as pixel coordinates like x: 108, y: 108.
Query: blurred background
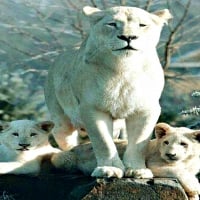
x: 34, y: 33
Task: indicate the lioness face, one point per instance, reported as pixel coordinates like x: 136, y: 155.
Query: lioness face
x: 125, y: 29
x: 24, y: 135
x: 177, y: 144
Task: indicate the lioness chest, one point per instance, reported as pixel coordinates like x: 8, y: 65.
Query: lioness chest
x: 124, y: 96
x: 121, y: 93
x: 119, y: 90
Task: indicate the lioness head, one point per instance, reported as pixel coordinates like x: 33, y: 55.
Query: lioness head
x: 177, y: 144
x: 124, y: 29
x: 24, y: 135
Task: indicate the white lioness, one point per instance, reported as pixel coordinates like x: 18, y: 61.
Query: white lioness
x: 174, y: 153
x: 116, y: 73
x: 22, y: 145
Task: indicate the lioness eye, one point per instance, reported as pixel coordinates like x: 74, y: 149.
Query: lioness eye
x: 143, y: 25
x: 183, y: 144
x: 166, y: 142
x: 112, y: 24
x: 33, y: 134
x: 15, y: 134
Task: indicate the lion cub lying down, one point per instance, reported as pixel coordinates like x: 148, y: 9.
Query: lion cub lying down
x: 22, y: 145
x: 173, y: 153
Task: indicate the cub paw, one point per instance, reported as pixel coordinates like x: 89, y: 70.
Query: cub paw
x: 139, y: 173
x: 108, y: 172
x: 195, y: 197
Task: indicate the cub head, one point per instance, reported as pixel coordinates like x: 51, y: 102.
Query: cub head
x: 124, y: 30
x: 24, y: 135
x: 177, y: 144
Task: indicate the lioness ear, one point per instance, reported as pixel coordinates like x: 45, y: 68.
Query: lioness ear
x: 196, y: 136
x: 163, y: 16
x: 88, y: 10
x: 46, y: 125
x: 161, y: 129
x: 94, y: 14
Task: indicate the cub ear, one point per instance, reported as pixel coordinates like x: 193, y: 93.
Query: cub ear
x: 163, y: 16
x: 46, y: 125
x: 93, y: 13
x: 3, y: 125
x: 161, y: 129
x: 196, y: 136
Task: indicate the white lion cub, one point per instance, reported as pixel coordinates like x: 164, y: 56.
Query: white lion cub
x: 176, y: 153
x: 22, y: 145
x: 115, y: 74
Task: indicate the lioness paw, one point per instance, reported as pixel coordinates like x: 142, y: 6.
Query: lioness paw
x: 108, y: 172
x: 139, y: 173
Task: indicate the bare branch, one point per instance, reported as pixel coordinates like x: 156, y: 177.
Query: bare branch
x: 148, y: 4
x: 93, y: 3
x: 78, y: 27
x: 122, y: 2
x: 28, y: 34
x: 172, y: 36
x: 16, y: 48
x: 194, y: 29
x: 40, y: 14
x: 185, y: 43
x: 72, y: 5
x: 104, y: 5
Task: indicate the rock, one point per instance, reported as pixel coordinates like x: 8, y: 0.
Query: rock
x: 136, y: 189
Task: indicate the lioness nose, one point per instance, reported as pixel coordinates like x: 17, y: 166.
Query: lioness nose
x: 24, y: 145
x: 127, y: 38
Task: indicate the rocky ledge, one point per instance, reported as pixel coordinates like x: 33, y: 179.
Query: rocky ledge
x: 76, y: 187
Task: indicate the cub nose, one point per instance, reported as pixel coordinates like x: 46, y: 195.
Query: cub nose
x: 24, y: 145
x: 127, y: 38
x: 170, y: 155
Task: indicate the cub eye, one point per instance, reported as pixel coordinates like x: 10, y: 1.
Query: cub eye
x: 15, y: 134
x: 166, y: 142
x: 142, y: 25
x: 112, y: 24
x: 33, y: 134
x: 183, y: 144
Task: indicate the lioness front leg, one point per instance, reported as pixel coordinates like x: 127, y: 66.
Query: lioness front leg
x: 139, y: 129
x: 99, y: 126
